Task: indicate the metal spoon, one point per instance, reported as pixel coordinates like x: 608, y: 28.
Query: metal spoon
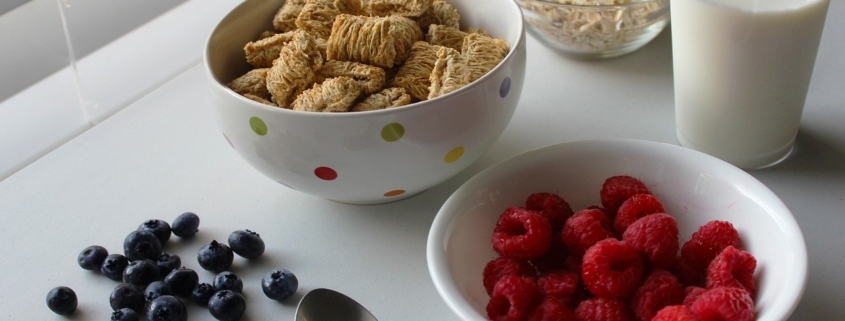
x: 330, y: 305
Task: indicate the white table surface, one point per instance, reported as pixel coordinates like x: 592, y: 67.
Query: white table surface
x: 164, y: 155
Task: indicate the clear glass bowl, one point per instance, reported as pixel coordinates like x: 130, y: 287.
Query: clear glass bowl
x: 595, y: 29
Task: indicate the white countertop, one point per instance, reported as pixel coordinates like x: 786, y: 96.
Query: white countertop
x: 163, y: 155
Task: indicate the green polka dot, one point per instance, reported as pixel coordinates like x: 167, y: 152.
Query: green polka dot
x: 258, y: 126
x: 454, y: 154
x: 392, y: 132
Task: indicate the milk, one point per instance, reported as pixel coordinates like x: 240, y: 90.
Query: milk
x: 742, y: 69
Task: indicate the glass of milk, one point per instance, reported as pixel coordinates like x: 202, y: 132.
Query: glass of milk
x: 742, y: 69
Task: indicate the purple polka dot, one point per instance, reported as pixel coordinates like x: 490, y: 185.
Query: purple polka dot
x: 505, y: 88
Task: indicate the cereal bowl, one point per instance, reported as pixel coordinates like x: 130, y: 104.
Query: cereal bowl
x: 370, y: 156
x: 594, y: 29
x: 695, y: 188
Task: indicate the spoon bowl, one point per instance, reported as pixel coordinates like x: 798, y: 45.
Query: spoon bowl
x: 330, y: 305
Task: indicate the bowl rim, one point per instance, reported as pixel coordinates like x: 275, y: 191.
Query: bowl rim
x: 555, y: 3
x: 518, y: 43
x: 444, y: 221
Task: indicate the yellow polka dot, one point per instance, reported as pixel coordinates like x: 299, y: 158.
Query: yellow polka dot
x: 454, y: 154
x: 395, y: 192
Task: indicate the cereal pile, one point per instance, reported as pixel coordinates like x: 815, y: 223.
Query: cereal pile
x: 618, y: 261
x: 354, y: 55
x: 592, y: 29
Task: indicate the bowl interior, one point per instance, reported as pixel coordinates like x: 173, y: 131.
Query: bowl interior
x: 695, y: 188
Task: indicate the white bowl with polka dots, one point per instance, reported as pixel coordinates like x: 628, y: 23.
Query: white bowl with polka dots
x: 374, y: 156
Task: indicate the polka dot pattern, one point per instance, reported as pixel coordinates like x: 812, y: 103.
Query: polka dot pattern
x: 395, y: 192
x: 325, y: 173
x: 505, y: 88
x: 454, y: 155
x: 258, y: 126
x: 392, y: 132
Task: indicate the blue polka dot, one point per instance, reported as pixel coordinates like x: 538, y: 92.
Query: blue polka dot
x: 505, y: 88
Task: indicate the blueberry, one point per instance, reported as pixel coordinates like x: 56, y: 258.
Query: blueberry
x: 140, y: 245
x: 113, y: 266
x: 157, y: 289
x: 182, y: 280
x: 127, y: 296
x: 92, y: 257
x: 125, y: 314
x: 167, y: 308
x: 228, y: 281
x: 227, y: 305
x: 215, y: 257
x: 279, y: 284
x: 62, y: 300
x: 140, y: 273
x: 247, y: 244
x: 201, y: 293
x: 159, y: 228
x: 167, y: 263
x: 185, y: 225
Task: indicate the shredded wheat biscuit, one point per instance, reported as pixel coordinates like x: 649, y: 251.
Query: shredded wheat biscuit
x: 285, y: 19
x: 387, y: 98
x: 440, y: 13
x: 361, y: 39
x: 266, y: 34
x: 317, y: 17
x: 260, y: 100
x: 447, y: 36
x: 414, y: 75
x: 405, y: 32
x: 371, y: 78
x: 482, y: 53
x: 261, y: 53
x: 295, y: 69
x: 449, y: 74
x: 405, y: 8
x: 333, y: 95
x: 253, y: 83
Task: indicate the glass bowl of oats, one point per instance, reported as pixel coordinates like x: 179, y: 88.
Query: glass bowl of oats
x: 595, y: 29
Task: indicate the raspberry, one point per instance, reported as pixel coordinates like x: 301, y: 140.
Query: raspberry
x: 560, y: 284
x: 552, y: 206
x: 635, y: 208
x: 732, y: 268
x: 656, y: 236
x: 691, y: 293
x: 603, y: 309
x: 554, y: 258
x: 551, y: 309
x: 501, y: 266
x: 617, y: 189
x: 676, y: 313
x: 703, y: 246
x: 724, y: 303
x: 521, y: 234
x: 660, y: 289
x: 612, y: 269
x: 513, y: 298
x: 584, y: 229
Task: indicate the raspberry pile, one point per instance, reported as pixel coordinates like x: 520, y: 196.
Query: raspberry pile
x: 619, y: 261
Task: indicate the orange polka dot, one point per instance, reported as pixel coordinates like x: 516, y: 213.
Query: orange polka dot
x: 395, y: 192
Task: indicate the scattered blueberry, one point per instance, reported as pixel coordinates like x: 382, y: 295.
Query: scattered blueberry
x: 215, y: 257
x: 140, y: 245
x: 185, y: 225
x: 182, y: 280
x: 227, y: 305
x: 228, y: 281
x: 140, y: 273
x: 127, y: 296
x: 279, y: 284
x: 157, y: 289
x: 125, y: 314
x: 246, y: 243
x: 113, y: 266
x: 159, y: 228
x: 92, y: 257
x: 62, y: 300
x: 201, y: 293
x: 167, y: 263
x: 167, y: 308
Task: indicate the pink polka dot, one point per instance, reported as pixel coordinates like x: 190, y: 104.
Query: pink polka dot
x: 325, y: 173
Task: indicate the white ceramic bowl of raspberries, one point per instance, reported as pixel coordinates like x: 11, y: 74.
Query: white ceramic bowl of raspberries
x: 538, y: 237
x: 379, y: 120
